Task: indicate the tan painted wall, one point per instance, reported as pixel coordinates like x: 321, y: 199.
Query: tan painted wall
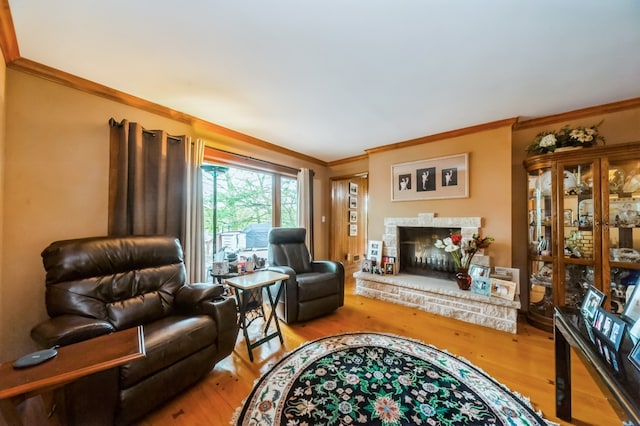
x: 56, y: 182
x: 489, y: 187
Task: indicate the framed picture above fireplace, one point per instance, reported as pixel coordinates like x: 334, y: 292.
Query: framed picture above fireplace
x: 432, y: 178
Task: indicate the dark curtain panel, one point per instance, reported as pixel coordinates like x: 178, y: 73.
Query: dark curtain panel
x: 146, y: 181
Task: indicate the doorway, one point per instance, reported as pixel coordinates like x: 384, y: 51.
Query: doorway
x: 349, y: 196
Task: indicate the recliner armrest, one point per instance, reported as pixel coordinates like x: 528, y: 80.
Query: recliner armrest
x: 224, y: 311
x: 67, y: 329
x: 191, y: 295
x: 326, y: 266
x: 284, y: 270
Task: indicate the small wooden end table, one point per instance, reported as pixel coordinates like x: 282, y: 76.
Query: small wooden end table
x: 249, y: 297
x: 72, y: 363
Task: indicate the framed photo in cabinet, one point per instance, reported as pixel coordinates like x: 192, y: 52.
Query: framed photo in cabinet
x: 591, y: 302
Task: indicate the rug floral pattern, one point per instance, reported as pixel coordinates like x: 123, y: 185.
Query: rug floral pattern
x: 379, y: 379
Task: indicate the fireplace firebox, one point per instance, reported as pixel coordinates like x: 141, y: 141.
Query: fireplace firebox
x: 418, y: 254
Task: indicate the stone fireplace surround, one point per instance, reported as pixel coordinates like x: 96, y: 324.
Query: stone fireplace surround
x: 435, y: 295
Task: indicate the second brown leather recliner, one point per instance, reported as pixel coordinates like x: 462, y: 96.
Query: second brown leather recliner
x: 314, y: 288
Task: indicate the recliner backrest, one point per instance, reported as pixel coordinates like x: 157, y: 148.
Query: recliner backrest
x: 287, y: 247
x: 124, y: 280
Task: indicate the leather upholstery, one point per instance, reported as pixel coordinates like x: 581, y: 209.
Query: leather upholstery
x: 100, y: 285
x: 314, y: 288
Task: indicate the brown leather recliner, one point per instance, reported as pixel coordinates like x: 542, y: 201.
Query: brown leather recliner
x: 314, y: 288
x: 100, y: 285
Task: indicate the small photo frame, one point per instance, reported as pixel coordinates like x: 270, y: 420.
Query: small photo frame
x: 366, y: 266
x: 353, y: 216
x: 353, y: 202
x: 507, y: 274
x: 634, y: 356
x: 631, y: 312
x: 617, y: 331
x: 481, y: 285
x: 353, y: 230
x: 390, y: 268
x: 598, y: 319
x: 591, y: 302
x: 353, y: 188
x: 374, y: 251
x: 477, y: 271
x: 503, y: 289
x: 568, y: 217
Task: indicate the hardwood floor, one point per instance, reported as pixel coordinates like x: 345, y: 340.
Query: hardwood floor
x: 522, y: 362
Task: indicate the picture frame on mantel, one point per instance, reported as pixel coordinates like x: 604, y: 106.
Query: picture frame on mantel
x: 432, y: 178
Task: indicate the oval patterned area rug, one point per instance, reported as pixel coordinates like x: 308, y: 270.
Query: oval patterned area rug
x: 380, y: 379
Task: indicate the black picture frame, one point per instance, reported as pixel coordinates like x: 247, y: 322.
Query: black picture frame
x: 617, y: 331
x: 591, y: 302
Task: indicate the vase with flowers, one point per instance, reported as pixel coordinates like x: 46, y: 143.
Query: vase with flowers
x: 566, y: 138
x: 462, y: 253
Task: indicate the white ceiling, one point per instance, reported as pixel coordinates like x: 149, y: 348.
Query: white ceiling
x: 331, y: 78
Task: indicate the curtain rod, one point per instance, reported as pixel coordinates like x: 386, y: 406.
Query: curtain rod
x: 246, y: 157
x: 114, y: 123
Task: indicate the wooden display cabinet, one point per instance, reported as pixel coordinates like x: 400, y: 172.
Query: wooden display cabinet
x: 583, y: 227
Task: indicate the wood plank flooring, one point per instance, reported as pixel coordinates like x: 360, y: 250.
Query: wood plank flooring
x: 523, y: 362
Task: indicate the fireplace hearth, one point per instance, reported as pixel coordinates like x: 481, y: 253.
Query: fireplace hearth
x: 426, y: 278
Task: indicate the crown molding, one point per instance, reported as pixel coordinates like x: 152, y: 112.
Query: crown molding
x: 578, y: 113
x: 8, y: 39
x: 445, y: 135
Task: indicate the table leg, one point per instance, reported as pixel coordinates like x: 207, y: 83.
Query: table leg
x: 273, y: 314
x: 563, y: 376
x: 243, y: 320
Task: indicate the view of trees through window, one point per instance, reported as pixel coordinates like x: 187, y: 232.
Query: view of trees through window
x: 239, y: 209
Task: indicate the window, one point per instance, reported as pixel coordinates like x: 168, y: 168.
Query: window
x: 241, y: 205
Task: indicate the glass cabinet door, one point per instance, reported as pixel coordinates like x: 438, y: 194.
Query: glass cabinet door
x: 623, y: 230
x: 578, y: 226
x: 540, y: 227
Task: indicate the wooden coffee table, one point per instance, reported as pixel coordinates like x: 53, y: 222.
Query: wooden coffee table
x: 72, y: 363
x: 249, y: 297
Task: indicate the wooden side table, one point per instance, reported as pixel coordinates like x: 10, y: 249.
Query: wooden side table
x: 73, y: 362
x: 249, y: 297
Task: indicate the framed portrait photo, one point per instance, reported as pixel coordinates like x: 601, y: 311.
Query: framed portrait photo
x: 366, y: 266
x: 591, y: 302
x: 353, y: 188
